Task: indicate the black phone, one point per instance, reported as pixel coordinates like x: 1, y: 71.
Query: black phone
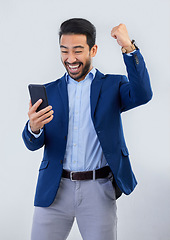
x: 38, y: 91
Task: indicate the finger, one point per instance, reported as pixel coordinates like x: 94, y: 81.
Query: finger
x: 35, y: 106
x: 41, y: 115
x: 113, y: 34
x: 43, y: 111
x: 47, y: 120
x: 45, y: 116
x: 114, y: 30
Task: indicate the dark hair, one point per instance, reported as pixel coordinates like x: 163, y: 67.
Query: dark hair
x: 79, y: 26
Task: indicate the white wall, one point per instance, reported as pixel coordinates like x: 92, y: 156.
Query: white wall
x: 29, y: 53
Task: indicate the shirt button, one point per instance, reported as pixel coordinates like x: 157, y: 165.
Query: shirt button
x: 75, y: 128
x: 74, y: 144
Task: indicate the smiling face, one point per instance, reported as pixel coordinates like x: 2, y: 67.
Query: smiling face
x: 76, y: 55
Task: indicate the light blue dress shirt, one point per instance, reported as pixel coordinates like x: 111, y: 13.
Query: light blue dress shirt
x: 83, y: 150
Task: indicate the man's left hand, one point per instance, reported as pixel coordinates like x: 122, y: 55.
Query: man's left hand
x: 120, y: 33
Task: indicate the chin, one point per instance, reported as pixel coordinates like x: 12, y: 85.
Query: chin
x: 75, y: 76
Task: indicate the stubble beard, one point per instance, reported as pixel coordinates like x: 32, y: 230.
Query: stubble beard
x: 82, y: 74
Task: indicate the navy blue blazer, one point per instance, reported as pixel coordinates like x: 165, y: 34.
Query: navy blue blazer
x: 110, y: 96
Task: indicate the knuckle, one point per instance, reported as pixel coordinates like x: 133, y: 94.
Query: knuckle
x: 31, y: 118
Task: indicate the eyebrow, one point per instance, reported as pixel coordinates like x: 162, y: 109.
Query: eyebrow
x: 78, y: 46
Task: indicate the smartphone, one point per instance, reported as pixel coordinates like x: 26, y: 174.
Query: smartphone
x: 38, y: 91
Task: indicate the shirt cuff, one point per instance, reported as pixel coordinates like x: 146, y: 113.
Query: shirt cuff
x: 34, y: 134
x: 130, y: 54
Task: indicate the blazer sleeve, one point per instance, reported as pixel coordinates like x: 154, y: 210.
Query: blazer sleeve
x: 30, y: 141
x: 136, y: 89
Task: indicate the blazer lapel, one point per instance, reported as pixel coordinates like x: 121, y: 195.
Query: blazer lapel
x: 95, y: 91
x: 62, y: 87
x: 94, y: 94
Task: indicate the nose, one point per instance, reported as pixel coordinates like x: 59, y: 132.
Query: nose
x: 71, y: 58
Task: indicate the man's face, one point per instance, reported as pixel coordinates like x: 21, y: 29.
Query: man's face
x: 76, y: 56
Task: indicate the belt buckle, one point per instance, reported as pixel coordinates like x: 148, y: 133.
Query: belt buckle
x: 71, y: 177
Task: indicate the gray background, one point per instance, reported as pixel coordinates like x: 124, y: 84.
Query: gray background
x: 29, y: 53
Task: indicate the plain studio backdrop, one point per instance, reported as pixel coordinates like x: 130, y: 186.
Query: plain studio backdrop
x: 29, y: 53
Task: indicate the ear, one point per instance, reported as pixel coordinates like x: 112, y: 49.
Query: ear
x: 93, y: 51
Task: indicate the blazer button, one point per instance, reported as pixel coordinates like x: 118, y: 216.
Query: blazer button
x: 61, y: 161
x: 65, y: 137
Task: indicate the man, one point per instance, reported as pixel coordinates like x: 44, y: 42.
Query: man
x: 86, y: 165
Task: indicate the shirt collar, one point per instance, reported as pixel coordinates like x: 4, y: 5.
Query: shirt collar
x: 90, y: 75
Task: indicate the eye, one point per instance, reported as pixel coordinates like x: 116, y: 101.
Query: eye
x: 78, y: 52
x: 65, y: 52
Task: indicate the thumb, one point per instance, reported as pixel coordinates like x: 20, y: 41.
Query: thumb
x: 30, y: 104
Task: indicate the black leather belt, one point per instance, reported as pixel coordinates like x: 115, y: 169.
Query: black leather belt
x: 87, y: 175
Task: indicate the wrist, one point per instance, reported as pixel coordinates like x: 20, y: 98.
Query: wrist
x: 36, y: 132
x: 130, y: 48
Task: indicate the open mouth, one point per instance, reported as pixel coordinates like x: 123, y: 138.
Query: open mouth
x: 73, y: 68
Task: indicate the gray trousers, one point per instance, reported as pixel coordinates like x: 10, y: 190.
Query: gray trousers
x: 93, y: 204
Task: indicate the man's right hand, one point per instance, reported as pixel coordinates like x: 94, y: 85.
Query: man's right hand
x: 39, y: 119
